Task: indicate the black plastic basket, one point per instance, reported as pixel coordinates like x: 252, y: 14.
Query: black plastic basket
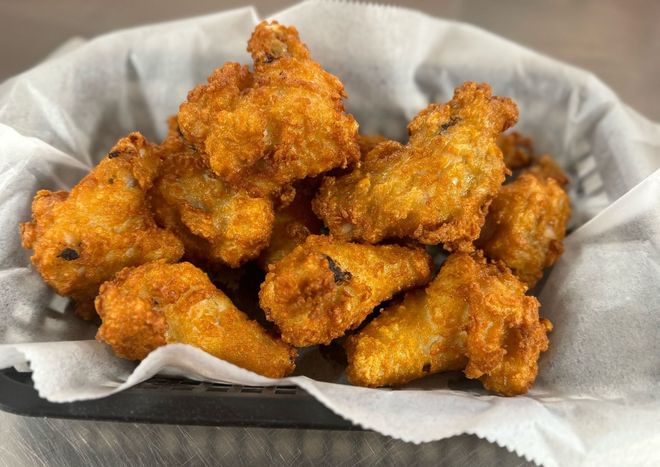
x: 180, y: 402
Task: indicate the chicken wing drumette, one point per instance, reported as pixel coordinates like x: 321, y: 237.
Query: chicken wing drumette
x: 325, y: 287
x: 437, y: 188
x: 82, y: 238
x: 155, y: 304
x: 216, y: 222
x: 284, y: 122
x: 473, y: 316
x: 525, y: 226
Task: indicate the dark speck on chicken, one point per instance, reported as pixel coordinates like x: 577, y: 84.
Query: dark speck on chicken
x: 69, y: 254
x: 445, y: 126
x: 339, y: 274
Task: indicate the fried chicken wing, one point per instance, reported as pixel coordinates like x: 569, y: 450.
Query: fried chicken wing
x: 437, y: 188
x: 473, y: 316
x: 518, y: 150
x: 82, y: 238
x: 545, y: 167
x: 284, y: 122
x: 525, y: 226
x: 293, y: 224
x: 155, y: 304
x: 325, y: 287
x: 368, y: 142
x: 216, y: 222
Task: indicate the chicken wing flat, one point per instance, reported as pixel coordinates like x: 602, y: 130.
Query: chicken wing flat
x: 545, y: 167
x: 474, y: 316
x: 517, y: 150
x: 526, y: 225
x: 155, y: 304
x: 293, y: 224
x: 215, y: 222
x: 82, y: 238
x: 325, y: 287
x: 437, y: 188
x: 284, y: 122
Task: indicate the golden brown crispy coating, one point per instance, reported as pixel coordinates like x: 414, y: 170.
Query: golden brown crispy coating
x: 517, y: 150
x: 368, y: 142
x: 82, y: 238
x: 284, y: 122
x: 546, y: 167
x: 473, y: 316
x: 505, y: 335
x: 293, y: 224
x: 525, y: 226
x: 217, y: 223
x: 437, y: 188
x: 325, y: 287
x: 156, y: 304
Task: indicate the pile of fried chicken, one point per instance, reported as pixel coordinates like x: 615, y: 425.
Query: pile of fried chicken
x: 266, y: 166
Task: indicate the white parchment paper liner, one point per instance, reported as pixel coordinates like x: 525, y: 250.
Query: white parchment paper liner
x: 596, y: 401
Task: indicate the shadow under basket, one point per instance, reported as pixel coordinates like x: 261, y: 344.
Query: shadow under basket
x: 180, y: 402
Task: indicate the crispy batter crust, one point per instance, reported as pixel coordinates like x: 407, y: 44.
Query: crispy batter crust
x: 82, y: 238
x: 325, y: 287
x: 545, y: 167
x: 526, y: 225
x: 284, y: 122
x: 215, y: 222
x: 437, y: 188
x: 517, y: 150
x: 154, y: 304
x: 473, y: 316
x: 368, y: 142
x: 293, y: 224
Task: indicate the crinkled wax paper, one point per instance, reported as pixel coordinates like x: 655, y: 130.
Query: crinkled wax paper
x: 597, y: 398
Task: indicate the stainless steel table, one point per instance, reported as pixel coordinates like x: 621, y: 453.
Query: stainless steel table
x: 26, y: 441
x: 618, y: 41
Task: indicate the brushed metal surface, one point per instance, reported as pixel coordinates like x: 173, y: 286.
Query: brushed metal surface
x: 618, y: 41
x: 39, y: 441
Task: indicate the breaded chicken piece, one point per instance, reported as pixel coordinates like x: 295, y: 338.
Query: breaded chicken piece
x: 293, y: 224
x: 155, y: 304
x: 545, y: 167
x: 82, y: 238
x: 518, y: 150
x: 368, y: 142
x: 526, y: 225
x: 326, y: 287
x: 437, y: 188
x: 473, y: 316
x: 215, y: 222
x: 284, y: 122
